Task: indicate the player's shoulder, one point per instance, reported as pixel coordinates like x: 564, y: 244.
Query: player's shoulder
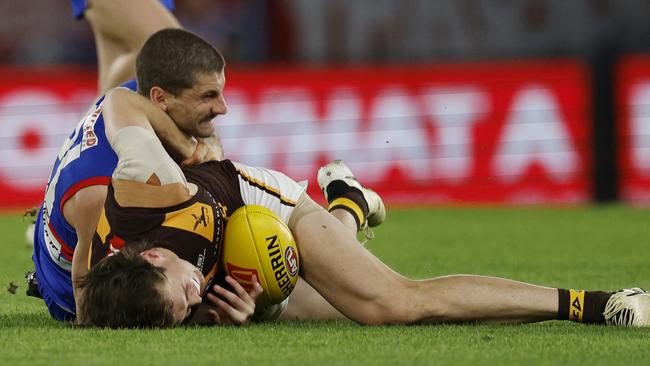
x: 129, y: 88
x: 123, y: 99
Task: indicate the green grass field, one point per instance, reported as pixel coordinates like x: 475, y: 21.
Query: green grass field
x: 593, y: 247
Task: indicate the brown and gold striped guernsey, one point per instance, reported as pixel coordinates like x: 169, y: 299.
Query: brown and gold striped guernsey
x: 193, y: 229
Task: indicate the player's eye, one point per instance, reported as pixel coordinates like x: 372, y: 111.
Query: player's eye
x: 210, y: 95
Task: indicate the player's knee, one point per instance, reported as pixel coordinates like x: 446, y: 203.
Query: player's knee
x: 392, y: 313
x: 391, y: 307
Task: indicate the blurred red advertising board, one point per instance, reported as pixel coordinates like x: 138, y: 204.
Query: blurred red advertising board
x: 472, y: 133
x: 633, y: 102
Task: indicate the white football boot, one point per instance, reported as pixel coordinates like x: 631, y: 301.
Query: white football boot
x: 629, y: 307
x: 337, y: 170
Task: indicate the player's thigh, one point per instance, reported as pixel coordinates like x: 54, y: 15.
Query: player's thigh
x: 305, y: 303
x: 345, y: 273
x: 127, y: 23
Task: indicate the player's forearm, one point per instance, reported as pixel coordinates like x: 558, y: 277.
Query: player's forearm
x: 82, y: 212
x: 125, y: 108
x: 180, y: 145
x: 207, y: 149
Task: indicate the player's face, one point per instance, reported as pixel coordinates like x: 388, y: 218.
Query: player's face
x: 194, y: 109
x: 184, y: 284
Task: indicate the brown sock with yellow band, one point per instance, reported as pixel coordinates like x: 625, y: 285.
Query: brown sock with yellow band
x: 582, y: 306
x: 342, y: 196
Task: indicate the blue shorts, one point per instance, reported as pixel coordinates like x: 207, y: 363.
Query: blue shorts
x: 80, y: 6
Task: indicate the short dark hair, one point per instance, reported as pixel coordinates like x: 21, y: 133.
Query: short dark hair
x: 123, y: 291
x: 172, y: 58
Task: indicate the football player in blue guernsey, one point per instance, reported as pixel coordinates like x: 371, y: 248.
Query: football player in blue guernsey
x: 73, y: 199
x: 76, y: 188
x: 348, y: 276
x: 78, y: 181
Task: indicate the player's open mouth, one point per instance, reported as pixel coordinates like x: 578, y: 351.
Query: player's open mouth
x: 208, y: 119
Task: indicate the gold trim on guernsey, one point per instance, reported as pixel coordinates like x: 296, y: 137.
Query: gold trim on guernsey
x: 103, y: 227
x: 136, y: 194
x: 263, y: 186
x: 197, y: 218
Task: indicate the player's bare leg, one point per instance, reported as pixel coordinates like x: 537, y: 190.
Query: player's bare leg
x: 120, y: 27
x: 367, y: 291
x: 305, y: 302
x: 363, y: 288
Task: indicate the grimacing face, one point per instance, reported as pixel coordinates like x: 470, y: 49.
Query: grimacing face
x: 184, y: 283
x: 194, y: 109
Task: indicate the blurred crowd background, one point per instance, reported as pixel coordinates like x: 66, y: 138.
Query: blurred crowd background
x: 429, y: 101
x: 352, y: 31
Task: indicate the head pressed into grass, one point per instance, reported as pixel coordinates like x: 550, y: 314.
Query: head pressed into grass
x: 142, y: 286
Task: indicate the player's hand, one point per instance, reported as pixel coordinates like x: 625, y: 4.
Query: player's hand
x: 206, y: 150
x: 238, y: 307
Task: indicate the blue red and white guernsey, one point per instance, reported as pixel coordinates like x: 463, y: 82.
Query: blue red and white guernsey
x: 85, y: 159
x: 80, y: 6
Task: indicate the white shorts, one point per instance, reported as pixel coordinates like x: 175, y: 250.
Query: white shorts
x: 270, y: 189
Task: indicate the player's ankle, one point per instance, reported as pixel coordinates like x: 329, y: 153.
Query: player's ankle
x: 351, y: 199
x: 582, y: 306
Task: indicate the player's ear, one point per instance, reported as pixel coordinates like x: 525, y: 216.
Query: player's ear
x: 159, y: 97
x: 151, y: 255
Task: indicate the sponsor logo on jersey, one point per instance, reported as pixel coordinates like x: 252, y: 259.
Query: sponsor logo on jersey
x: 89, y: 138
x: 201, y: 260
x: 201, y: 218
x: 291, y: 258
x: 197, y: 218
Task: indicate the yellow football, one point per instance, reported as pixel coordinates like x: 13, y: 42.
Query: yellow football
x: 258, y: 243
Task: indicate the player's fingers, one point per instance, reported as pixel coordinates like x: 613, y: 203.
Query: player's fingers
x: 190, y: 161
x: 236, y: 316
x: 239, y: 290
x: 234, y: 300
x: 215, y: 316
x: 202, y: 151
x: 257, y: 289
x: 251, y: 296
x: 198, y: 156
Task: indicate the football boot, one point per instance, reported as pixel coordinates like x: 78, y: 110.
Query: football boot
x: 629, y: 307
